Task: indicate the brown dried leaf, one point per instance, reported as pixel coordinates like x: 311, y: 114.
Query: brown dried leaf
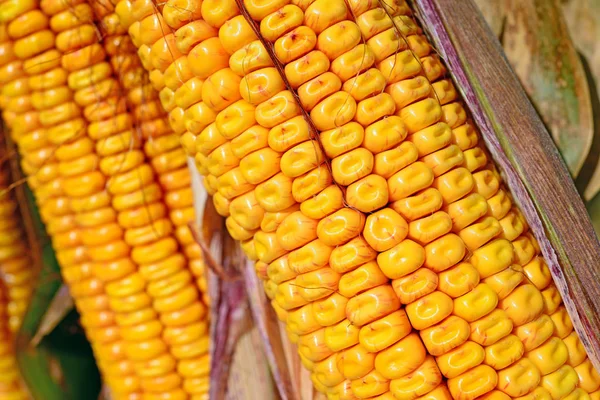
x: 539, y: 48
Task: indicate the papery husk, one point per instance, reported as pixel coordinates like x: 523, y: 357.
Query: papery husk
x: 524, y: 152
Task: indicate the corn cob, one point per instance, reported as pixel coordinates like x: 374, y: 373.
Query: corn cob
x: 430, y: 159
x: 18, y: 275
x: 161, y: 147
x: 154, y: 278
x: 48, y: 133
x: 11, y: 386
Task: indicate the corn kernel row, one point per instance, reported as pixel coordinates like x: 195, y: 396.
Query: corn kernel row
x: 39, y: 113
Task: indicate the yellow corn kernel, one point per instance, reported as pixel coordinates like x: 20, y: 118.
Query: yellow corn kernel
x: 537, y: 273
x: 339, y: 38
x: 347, y: 257
x: 317, y: 284
x: 384, y: 229
x: 309, y: 257
x: 461, y: 359
x: 439, y: 393
x: 250, y: 58
x: 260, y: 165
x: 454, y: 185
x: 552, y: 299
x: 445, y: 336
x: 519, y: 379
x: 317, y: 91
x: 323, y: 204
x: 341, y: 336
x: 366, y: 85
x: 504, y: 352
x: 536, y: 332
x: 235, y: 119
x: 402, y: 259
x: 372, y: 384
x: 384, y: 332
x: 429, y: 228
x: 327, y: 373
x: 491, y: 328
x: 589, y: 379
x: 313, y: 346
x: 351, y: 63
x: 372, y: 305
x: 419, y: 382
x: 524, y: 250
x: 580, y: 394
x: 493, y: 257
x: 401, y: 358
x: 330, y: 310
x: 390, y: 162
x: 280, y: 22
x: 504, y: 282
x: 277, y: 109
x: 339, y: 105
x: 562, y: 323
x: 301, y: 158
x: 473, y: 383
x: 352, y: 166
x: 259, y: 86
x: 477, y: 303
x: 341, y: 226
x: 561, y: 382
x: 368, y: 194
x: 295, y: 44
x: 576, y: 351
x: 232, y: 184
x: 416, y: 285
x: 424, y: 203
x: 363, y: 278
x: 374, y: 108
x: 296, y: 231
x: 288, y: 134
x: 246, y: 211
x: 343, y: 139
x: 458, y: 280
x: 429, y: 310
x: 524, y: 296
x: 267, y: 246
x: 415, y: 177
x: 550, y: 356
x: 466, y: 211
x: 444, y: 252
x: 274, y: 194
x: 355, y: 362
x: 220, y: 90
x: 311, y: 183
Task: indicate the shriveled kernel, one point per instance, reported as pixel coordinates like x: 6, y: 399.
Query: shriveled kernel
x: 416, y: 285
x: 401, y: 358
x: 445, y: 336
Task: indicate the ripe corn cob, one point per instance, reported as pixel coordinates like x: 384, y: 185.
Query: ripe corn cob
x: 162, y: 148
x: 440, y: 163
x: 191, y: 350
x: 11, y: 386
x: 46, y: 133
x: 18, y: 275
